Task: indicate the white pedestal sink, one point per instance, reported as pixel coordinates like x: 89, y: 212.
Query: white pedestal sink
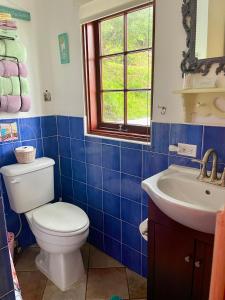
x: 178, y: 193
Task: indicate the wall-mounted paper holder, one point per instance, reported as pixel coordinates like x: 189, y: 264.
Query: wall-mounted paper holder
x: 144, y: 229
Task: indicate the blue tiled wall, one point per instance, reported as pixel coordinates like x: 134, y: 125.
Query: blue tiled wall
x: 104, y: 177
x: 40, y: 132
x: 6, y: 283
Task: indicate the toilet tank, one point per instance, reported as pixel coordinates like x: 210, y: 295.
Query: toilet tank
x: 29, y: 185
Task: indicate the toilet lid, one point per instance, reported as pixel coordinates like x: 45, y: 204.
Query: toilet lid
x: 61, y: 217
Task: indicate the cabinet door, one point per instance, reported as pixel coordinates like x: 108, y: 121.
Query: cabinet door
x: 202, y: 270
x: 173, y: 264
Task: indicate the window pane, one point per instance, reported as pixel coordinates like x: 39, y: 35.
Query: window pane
x: 138, y: 108
x: 113, y: 107
x: 112, y: 36
x: 139, y: 70
x: 112, y: 73
x: 140, y: 24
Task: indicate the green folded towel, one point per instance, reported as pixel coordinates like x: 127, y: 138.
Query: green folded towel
x: 9, y: 33
x: 16, y: 86
x: 115, y: 298
x: 13, y: 48
x: 11, y: 86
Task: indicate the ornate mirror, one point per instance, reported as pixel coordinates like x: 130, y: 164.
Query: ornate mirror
x: 204, y: 23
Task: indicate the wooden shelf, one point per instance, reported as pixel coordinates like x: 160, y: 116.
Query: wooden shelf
x: 200, y: 91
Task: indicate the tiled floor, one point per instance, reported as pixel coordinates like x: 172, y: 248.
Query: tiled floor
x: 104, y: 277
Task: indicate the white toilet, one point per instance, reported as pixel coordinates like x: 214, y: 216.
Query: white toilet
x: 60, y: 228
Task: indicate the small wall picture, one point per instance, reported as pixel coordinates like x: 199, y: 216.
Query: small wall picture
x: 8, y: 132
x: 64, y: 48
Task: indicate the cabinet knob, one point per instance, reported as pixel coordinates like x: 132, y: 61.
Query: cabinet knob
x: 197, y: 264
x: 187, y: 259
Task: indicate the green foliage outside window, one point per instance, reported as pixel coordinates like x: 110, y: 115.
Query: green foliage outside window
x: 139, y: 36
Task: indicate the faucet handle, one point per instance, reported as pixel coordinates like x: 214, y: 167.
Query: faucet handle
x: 223, y: 178
x: 203, y: 171
x: 200, y: 161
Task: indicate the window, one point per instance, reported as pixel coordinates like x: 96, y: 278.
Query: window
x: 118, y: 73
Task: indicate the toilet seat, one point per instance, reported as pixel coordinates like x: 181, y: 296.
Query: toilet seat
x: 60, y: 219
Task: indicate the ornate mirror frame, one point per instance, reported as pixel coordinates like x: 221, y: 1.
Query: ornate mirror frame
x: 190, y: 63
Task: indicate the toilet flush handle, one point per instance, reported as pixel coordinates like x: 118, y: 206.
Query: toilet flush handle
x: 16, y: 180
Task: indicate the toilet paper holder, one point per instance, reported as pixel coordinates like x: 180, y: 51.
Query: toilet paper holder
x: 143, y: 228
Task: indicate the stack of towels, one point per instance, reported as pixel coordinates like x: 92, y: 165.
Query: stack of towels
x: 7, y: 26
x: 14, y: 87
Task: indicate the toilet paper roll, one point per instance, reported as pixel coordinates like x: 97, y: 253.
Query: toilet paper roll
x: 144, y: 229
x: 24, y: 149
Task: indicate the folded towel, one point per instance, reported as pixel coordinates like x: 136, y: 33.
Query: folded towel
x: 11, y: 86
x: 15, y: 83
x: 11, y: 68
x: 8, y: 68
x: 25, y: 103
x: 5, y: 17
x: 14, y: 104
x: 23, y: 70
x: 5, y: 86
x: 9, y: 33
x: 8, y: 23
x: 3, y: 103
x: 2, y: 68
x: 5, y: 27
x: 13, y: 48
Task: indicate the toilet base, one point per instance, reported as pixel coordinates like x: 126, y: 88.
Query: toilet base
x: 62, y: 269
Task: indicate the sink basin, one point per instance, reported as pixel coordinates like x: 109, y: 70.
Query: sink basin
x: 177, y: 192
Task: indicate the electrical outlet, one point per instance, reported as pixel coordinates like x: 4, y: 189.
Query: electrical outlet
x: 187, y: 150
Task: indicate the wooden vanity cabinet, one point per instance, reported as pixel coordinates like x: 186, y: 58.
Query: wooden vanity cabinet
x: 180, y: 259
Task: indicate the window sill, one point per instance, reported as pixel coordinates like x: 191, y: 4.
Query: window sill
x: 132, y: 141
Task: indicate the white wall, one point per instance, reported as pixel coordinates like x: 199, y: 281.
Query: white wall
x: 28, y: 35
x: 169, y: 44
x: 63, y: 81
x: 49, y: 18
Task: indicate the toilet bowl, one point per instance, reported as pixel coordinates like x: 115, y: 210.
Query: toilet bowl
x: 60, y: 228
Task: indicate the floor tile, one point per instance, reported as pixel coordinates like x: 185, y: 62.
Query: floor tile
x: 137, y: 285
x: 32, y: 285
x: 26, y: 259
x: 99, y: 259
x: 103, y: 283
x: 76, y: 292
x: 85, y: 251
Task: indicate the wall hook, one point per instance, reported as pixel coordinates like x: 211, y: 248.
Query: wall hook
x: 163, y: 109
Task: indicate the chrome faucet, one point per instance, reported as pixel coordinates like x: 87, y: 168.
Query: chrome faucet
x: 212, y: 178
x: 203, y: 172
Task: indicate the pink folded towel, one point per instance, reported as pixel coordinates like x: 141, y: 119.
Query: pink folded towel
x: 5, y: 27
x: 10, y: 68
x: 14, y: 104
x: 26, y: 104
x: 23, y: 70
x: 3, y: 103
x: 9, y: 24
x: 2, y: 68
